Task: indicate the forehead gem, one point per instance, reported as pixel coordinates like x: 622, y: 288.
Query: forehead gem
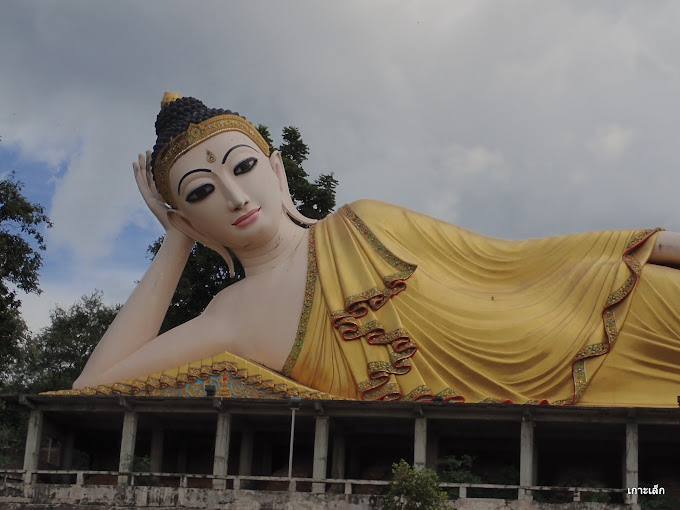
x: 210, y: 156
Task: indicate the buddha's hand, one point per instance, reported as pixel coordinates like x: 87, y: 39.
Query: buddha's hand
x: 147, y: 187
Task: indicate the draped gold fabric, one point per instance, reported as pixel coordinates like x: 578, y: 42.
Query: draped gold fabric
x: 406, y: 307
x: 400, y: 305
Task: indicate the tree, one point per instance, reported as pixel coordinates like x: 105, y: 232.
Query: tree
x: 20, y: 260
x: 264, y: 131
x: 206, y: 273
x: 54, y: 358
x: 314, y: 200
x: 459, y: 470
x: 413, y: 489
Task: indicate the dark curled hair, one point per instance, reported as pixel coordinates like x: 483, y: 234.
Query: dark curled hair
x: 175, y: 118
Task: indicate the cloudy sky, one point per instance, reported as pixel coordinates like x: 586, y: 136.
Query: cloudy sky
x: 514, y: 119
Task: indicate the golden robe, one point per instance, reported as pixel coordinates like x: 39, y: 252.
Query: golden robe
x: 400, y: 305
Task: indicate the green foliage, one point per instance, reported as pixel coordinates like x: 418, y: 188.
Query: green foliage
x: 55, y: 357
x: 264, y: 131
x: 9, y: 436
x: 657, y: 501
x: 20, y: 260
x: 661, y: 502
x: 314, y: 200
x: 454, y: 469
x: 19, y: 220
x: 52, y: 359
x: 143, y: 465
x: 13, y: 425
x: 206, y: 273
x: 596, y: 497
x: 13, y: 332
x: 293, y: 147
x: 458, y: 469
x: 413, y: 489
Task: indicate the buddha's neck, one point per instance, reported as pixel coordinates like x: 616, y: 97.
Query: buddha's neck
x: 276, y: 252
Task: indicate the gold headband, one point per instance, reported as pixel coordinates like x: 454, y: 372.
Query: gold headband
x: 195, y: 134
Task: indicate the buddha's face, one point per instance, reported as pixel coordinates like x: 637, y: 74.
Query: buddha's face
x: 227, y: 190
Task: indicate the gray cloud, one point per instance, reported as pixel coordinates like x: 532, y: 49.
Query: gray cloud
x: 514, y: 119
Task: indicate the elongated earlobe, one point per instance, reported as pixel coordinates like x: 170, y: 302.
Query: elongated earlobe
x: 185, y: 226
x: 182, y: 224
x: 286, y: 200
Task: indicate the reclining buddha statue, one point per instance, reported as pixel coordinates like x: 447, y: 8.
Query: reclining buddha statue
x: 376, y: 301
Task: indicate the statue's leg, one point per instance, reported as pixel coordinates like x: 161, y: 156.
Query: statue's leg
x: 666, y: 250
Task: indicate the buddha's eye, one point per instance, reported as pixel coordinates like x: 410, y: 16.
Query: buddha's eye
x: 200, y: 193
x: 245, y: 166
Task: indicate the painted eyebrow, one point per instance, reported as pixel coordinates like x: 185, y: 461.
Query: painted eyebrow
x: 224, y: 159
x: 188, y: 174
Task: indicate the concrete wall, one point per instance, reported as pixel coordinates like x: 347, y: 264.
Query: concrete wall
x: 60, y: 497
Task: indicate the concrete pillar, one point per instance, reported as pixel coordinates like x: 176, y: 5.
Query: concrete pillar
x: 67, y: 450
x: 156, y: 448
x: 266, y: 467
x: 420, y: 443
x: 222, y: 436
x: 33, y: 438
x: 630, y: 474
x: 338, y: 465
x: 527, y: 458
x: 127, y: 445
x: 320, y: 452
x: 245, y: 460
x: 432, y: 454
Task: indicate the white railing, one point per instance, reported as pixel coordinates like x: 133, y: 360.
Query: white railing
x: 15, y: 476
x: 11, y: 474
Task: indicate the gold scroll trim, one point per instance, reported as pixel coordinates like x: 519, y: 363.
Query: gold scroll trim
x: 303, y: 324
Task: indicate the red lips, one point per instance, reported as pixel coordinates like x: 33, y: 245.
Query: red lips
x: 244, y: 219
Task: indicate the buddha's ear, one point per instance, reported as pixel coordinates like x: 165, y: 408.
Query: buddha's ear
x: 184, y: 225
x: 276, y: 161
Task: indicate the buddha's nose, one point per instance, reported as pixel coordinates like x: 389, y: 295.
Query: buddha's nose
x: 236, y: 197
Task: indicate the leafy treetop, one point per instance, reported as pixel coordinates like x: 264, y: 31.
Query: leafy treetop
x: 20, y: 260
x: 20, y: 222
x: 413, y: 489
